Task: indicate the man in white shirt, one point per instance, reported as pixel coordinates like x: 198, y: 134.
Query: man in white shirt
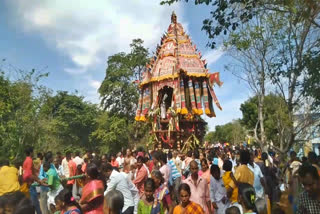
x: 120, y: 160
x: 119, y: 182
x: 65, y: 165
x: 218, y: 192
x: 133, y: 189
x: 58, y: 167
x: 77, y: 159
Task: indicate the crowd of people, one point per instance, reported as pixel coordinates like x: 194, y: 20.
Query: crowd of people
x: 217, y: 180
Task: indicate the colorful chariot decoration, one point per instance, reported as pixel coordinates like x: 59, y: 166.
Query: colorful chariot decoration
x: 176, y: 89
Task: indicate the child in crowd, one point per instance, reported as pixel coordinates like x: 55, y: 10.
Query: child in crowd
x: 148, y: 204
x: 186, y: 206
x: 65, y: 203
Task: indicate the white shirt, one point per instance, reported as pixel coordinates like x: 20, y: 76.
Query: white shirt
x: 217, y: 190
x: 217, y: 193
x: 60, y: 170
x: 134, y: 191
x: 65, y: 167
x: 257, y: 176
x: 119, y: 182
x: 78, y: 160
x: 120, y: 160
x: 145, y: 166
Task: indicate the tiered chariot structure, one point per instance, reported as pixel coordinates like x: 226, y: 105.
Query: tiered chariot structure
x: 176, y: 89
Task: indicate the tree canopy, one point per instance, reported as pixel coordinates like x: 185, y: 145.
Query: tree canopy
x: 33, y: 115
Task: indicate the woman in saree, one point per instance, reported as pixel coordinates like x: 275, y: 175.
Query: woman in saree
x: 91, y: 201
x: 162, y: 192
x: 186, y: 206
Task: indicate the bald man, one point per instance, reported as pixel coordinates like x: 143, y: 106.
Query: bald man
x: 200, y: 193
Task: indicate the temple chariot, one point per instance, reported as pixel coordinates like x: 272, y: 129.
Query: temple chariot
x: 176, y: 89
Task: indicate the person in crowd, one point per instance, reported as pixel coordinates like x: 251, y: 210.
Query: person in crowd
x: 185, y: 164
x: 9, y: 179
x: 199, y: 188
x: 177, y: 160
x: 53, y: 182
x: 145, y: 164
x: 308, y: 201
x: 133, y: 189
x: 233, y: 210
x: 271, y: 179
x: 156, y: 156
x: 162, y: 191
x: 65, y: 164
x: 119, y: 182
x: 113, y: 203
x: 164, y: 169
x: 242, y: 174
x: 65, y: 203
x: 72, y: 172
x: 16, y: 203
x: 58, y: 167
x: 105, y: 159
x: 205, y: 171
x: 44, y: 189
x: 186, y: 205
x: 258, y: 184
x: 202, y: 155
x: 129, y: 159
x: 148, y: 203
x: 120, y: 160
x: 229, y: 178
x: 77, y: 159
x: 91, y: 201
x: 37, y: 162
x: 142, y: 175
x: 175, y: 176
x: 114, y: 162
x: 247, y: 198
x: 312, y: 159
x: 29, y: 177
x: 218, y: 193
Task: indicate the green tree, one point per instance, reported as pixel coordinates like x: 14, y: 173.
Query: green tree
x: 19, y: 106
x: 119, y: 95
x: 118, y: 92
x: 275, y: 114
x: 111, y: 134
x: 233, y: 133
x: 68, y: 121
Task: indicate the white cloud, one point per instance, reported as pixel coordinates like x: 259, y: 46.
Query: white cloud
x: 95, y: 84
x: 213, y: 55
x: 89, y: 31
x: 75, y: 70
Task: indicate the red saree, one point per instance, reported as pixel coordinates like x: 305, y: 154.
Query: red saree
x: 92, y: 195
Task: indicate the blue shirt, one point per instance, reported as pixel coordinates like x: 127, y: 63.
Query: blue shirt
x: 174, y: 171
x: 43, y: 175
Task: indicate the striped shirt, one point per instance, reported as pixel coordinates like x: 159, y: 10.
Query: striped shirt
x: 174, y: 171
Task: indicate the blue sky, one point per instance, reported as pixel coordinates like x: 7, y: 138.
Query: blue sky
x: 73, y: 39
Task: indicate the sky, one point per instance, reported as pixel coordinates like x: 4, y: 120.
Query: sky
x: 73, y: 39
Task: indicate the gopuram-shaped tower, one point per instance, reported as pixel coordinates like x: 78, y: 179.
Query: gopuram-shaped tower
x: 176, y: 89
